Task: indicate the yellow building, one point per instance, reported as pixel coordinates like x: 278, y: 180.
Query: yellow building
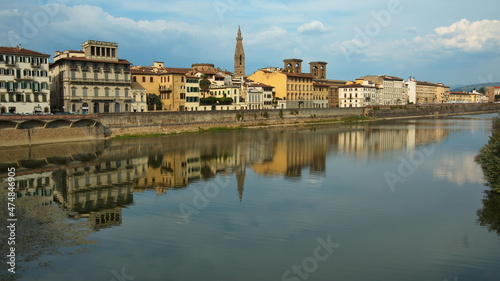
x: 442, y: 93
x: 320, y: 95
x: 426, y: 92
x: 297, y: 89
x: 461, y: 97
x: 168, y: 83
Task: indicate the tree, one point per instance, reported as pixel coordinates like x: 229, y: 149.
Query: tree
x: 153, y: 100
x: 489, y: 158
x: 205, y: 85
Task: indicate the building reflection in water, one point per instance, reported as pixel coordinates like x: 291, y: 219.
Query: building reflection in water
x: 95, y: 181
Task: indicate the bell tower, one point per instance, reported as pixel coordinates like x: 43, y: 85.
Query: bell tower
x: 318, y: 69
x: 239, y: 56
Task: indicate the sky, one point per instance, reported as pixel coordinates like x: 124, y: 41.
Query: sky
x: 442, y: 41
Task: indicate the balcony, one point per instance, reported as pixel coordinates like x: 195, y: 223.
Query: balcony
x: 107, y: 69
x: 24, y: 78
x: 35, y: 64
x: 165, y: 89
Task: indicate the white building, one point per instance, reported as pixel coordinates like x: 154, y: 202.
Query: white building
x: 93, y: 80
x: 393, y: 89
x: 411, y: 90
x: 357, y: 95
x: 24, y: 81
x: 259, y: 96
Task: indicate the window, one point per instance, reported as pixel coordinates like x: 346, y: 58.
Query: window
x: 84, y: 93
x: 134, y: 79
x: 117, y: 92
x: 73, y: 92
x: 151, y: 79
x: 96, y: 92
x: 143, y: 79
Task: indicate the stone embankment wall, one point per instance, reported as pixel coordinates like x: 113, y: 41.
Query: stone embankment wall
x: 14, y: 137
x: 177, y: 122
x: 81, y: 128
x: 430, y: 110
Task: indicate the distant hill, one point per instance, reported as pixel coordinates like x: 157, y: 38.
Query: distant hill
x: 469, y: 88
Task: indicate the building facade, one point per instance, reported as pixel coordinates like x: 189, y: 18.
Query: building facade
x: 393, y: 89
x: 24, y: 81
x: 493, y: 93
x: 93, y: 80
x: 166, y: 82
x: 357, y: 95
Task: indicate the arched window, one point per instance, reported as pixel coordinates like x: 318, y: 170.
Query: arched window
x: 96, y: 107
x: 117, y: 107
x: 85, y: 108
x: 106, y: 107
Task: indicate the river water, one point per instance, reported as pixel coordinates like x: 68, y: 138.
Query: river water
x: 384, y: 200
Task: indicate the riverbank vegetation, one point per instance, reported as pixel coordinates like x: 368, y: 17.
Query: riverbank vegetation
x: 489, y: 159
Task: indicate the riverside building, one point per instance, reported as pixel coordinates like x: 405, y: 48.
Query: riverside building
x: 24, y: 81
x: 93, y: 80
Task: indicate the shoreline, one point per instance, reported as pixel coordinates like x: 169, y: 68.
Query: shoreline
x: 329, y: 121
x: 106, y: 126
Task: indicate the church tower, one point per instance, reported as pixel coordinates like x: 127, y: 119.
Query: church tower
x: 239, y: 56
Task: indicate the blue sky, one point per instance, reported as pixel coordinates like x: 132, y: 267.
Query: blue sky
x: 454, y: 42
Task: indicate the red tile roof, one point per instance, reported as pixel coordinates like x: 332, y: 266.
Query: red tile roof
x: 301, y: 75
x: 21, y: 51
x: 321, y: 85
x: 356, y: 86
x: 391, y: 77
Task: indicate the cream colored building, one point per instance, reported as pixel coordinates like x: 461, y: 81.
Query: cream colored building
x: 259, y: 96
x: 464, y: 97
x: 357, y: 95
x: 24, y: 81
x: 426, y: 92
x: 393, y: 89
x: 93, y: 80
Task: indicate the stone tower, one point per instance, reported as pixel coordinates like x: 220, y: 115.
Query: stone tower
x: 239, y: 56
x: 293, y: 65
x: 318, y: 69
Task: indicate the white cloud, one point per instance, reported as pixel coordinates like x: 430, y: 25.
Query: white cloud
x: 313, y: 27
x: 411, y: 29
x: 464, y: 35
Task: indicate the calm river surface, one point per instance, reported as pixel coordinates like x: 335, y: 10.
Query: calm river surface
x: 385, y: 200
